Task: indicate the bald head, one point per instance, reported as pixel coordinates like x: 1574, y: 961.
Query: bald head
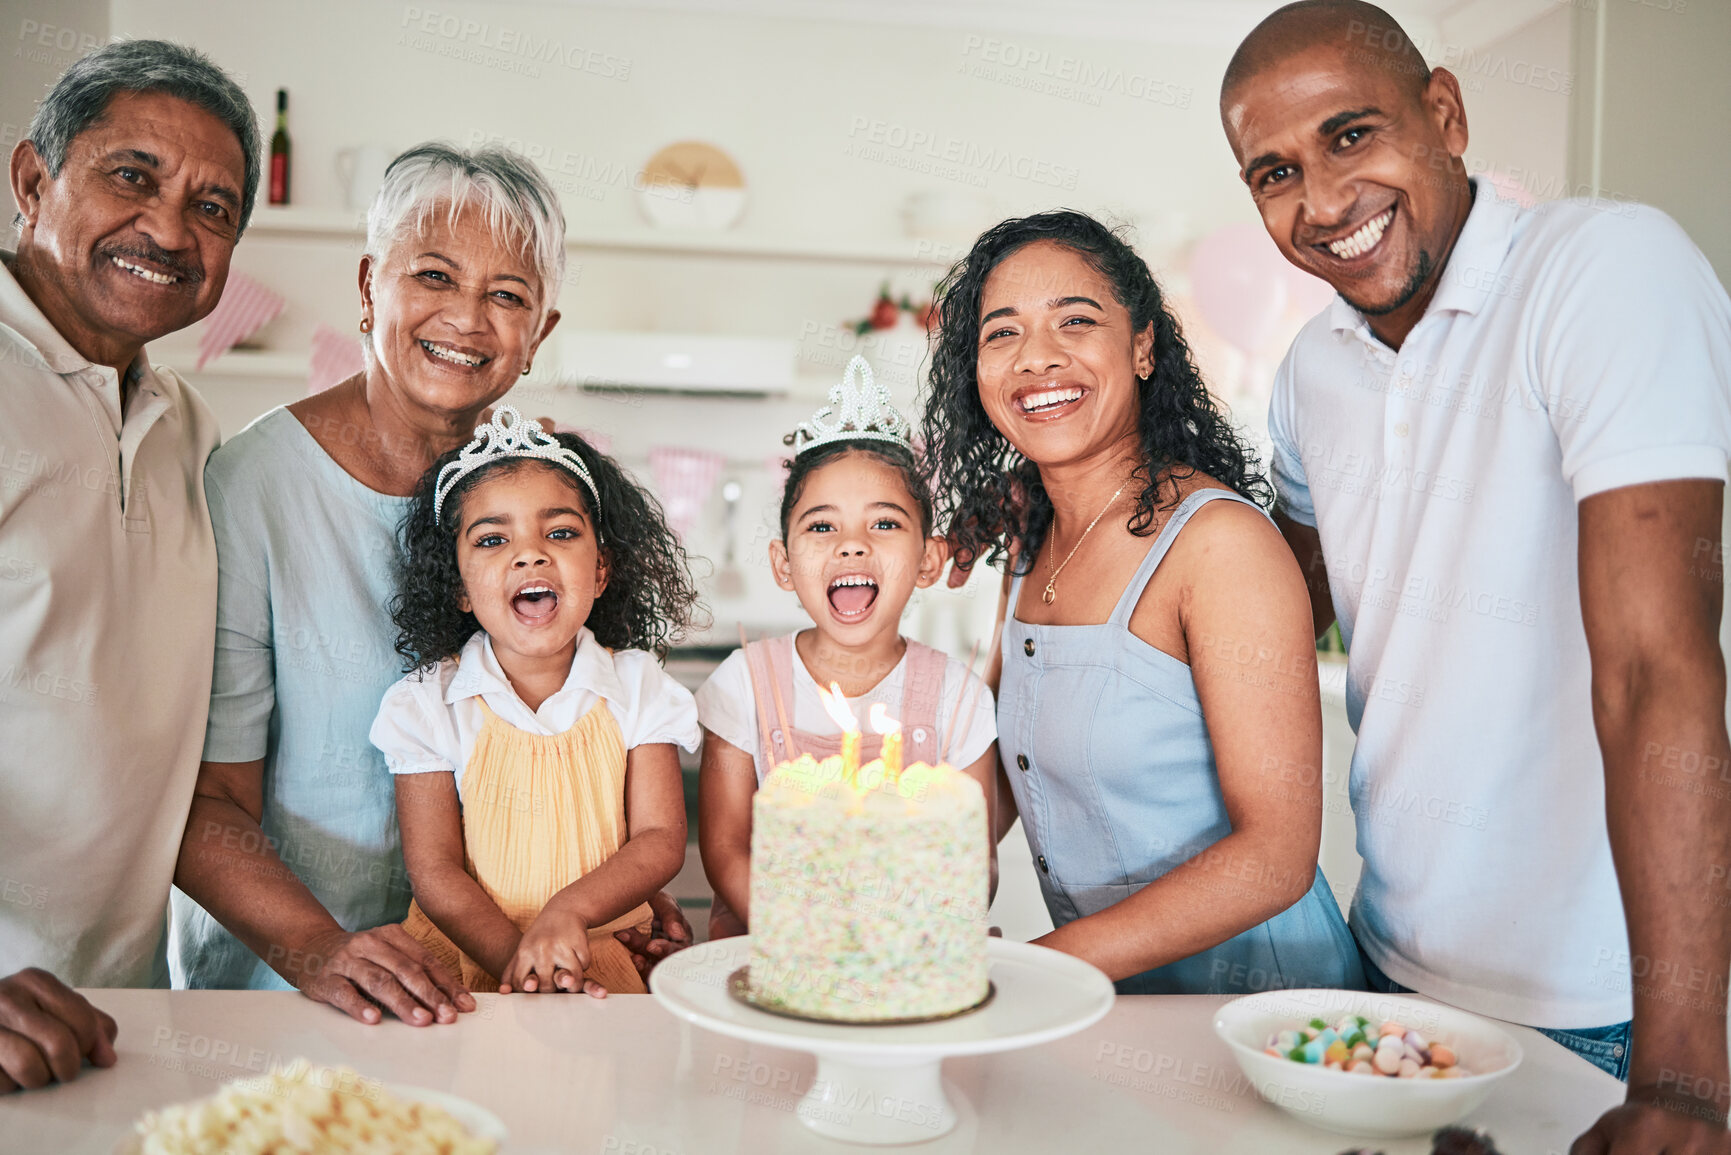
x: 1363, y: 34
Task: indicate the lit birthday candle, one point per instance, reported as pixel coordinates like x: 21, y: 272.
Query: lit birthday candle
x: 891, y: 729
x: 836, y: 704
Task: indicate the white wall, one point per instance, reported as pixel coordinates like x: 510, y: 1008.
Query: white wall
x: 38, y: 40
x: 1518, y: 91
x: 1665, y: 113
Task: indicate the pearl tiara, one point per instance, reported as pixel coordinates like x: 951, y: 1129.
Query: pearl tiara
x: 857, y: 411
x: 510, y: 434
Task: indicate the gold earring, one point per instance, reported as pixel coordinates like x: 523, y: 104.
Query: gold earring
x: 366, y: 324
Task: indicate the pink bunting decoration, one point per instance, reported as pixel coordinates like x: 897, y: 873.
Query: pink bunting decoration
x: 684, y: 479
x: 245, y: 308
x: 335, y: 357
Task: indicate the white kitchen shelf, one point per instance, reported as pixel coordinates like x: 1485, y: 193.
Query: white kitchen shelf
x: 341, y: 224
x: 261, y: 363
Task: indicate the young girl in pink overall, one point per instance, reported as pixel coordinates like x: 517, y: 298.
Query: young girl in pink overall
x: 856, y: 522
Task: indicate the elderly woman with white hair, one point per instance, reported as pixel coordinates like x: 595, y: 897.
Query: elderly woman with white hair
x: 291, y: 872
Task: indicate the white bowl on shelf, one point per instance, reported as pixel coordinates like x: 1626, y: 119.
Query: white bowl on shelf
x: 1369, y: 1105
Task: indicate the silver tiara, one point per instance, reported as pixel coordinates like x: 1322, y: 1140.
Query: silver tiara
x: 856, y: 412
x: 510, y: 434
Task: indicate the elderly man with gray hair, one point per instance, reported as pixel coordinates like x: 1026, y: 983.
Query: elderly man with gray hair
x: 291, y: 858
x: 134, y: 182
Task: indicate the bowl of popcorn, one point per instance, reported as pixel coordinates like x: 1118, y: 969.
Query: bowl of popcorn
x: 1362, y: 1063
x: 302, y: 1107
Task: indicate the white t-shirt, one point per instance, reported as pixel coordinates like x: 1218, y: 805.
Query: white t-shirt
x: 430, y: 725
x: 107, y: 626
x: 1570, y: 349
x: 727, y: 709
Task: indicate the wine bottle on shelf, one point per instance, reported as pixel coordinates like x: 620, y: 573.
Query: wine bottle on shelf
x: 279, y: 152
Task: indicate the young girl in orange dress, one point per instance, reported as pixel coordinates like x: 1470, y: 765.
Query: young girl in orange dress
x: 535, y: 739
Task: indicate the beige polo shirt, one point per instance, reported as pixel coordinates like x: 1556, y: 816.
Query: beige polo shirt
x: 107, y: 627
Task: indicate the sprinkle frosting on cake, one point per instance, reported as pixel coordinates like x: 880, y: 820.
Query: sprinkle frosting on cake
x: 868, y: 901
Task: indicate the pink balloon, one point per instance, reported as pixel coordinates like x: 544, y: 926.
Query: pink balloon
x: 1308, y: 295
x: 1238, y: 280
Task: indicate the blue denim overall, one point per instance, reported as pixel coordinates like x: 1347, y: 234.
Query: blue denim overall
x: 1106, y: 749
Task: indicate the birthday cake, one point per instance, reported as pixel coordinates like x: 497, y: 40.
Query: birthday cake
x: 868, y: 892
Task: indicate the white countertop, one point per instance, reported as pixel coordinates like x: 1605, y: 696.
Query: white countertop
x: 623, y: 1077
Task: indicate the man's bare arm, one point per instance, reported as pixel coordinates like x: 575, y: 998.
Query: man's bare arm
x: 1651, y: 594
x: 1306, y: 546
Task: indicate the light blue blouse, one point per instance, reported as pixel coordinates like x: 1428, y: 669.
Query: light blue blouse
x: 304, y: 652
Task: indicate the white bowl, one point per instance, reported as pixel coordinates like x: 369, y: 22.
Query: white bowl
x: 1368, y: 1105
x: 476, y: 1119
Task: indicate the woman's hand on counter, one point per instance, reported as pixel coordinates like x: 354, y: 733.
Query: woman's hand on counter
x: 670, y: 933
x: 47, y: 1030
x: 358, y: 972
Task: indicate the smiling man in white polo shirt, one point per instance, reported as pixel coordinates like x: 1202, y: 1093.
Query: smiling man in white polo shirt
x: 1500, y: 456
x: 133, y: 185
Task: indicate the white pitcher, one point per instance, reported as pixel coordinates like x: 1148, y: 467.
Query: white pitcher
x: 360, y: 172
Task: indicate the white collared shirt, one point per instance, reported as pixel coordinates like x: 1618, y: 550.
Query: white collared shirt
x: 107, y: 627
x: 425, y: 726
x: 1570, y: 349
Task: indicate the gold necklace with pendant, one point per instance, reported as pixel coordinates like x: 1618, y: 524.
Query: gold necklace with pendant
x: 1050, y: 594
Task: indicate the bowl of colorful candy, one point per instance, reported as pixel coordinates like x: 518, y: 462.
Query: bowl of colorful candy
x: 1362, y: 1063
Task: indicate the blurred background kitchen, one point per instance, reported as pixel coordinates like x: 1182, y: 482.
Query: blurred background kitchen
x: 756, y: 190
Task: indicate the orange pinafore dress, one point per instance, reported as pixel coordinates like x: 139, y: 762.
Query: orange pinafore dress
x: 771, y: 664
x: 540, y: 812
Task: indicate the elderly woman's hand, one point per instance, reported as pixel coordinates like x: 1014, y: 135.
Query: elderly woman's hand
x: 358, y: 972
x: 669, y: 933
x: 47, y: 1030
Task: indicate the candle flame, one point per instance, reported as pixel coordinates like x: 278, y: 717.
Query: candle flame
x: 881, y: 721
x: 835, y: 704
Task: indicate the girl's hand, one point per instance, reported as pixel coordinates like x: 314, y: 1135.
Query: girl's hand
x: 552, y: 956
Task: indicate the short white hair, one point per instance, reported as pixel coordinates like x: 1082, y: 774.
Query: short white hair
x: 520, y: 207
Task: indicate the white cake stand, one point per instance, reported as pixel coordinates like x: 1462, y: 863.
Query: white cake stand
x: 882, y: 1084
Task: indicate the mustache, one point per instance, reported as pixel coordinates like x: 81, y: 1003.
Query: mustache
x: 147, y: 253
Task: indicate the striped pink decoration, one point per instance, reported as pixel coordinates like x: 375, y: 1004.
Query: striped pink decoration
x: 683, y: 481
x: 336, y: 357
x: 245, y: 308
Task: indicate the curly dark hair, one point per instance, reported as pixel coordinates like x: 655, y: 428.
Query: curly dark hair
x: 900, y: 458
x: 988, y: 494
x: 649, y: 602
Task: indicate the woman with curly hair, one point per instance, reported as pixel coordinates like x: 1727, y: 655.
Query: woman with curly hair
x: 538, y: 787
x: 1158, y: 713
